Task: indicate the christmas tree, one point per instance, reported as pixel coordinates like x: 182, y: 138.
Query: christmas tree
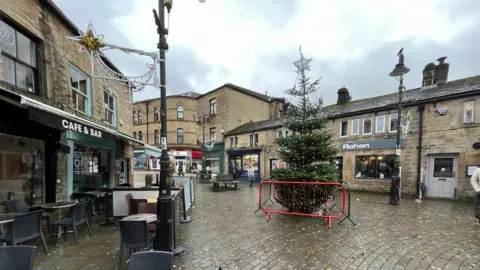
x: 308, y: 151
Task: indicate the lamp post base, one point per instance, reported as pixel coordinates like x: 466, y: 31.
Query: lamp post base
x: 186, y: 220
x: 395, y: 191
x: 178, y: 250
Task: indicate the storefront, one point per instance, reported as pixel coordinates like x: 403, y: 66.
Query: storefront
x: 196, y: 161
x: 214, y: 159
x: 245, y: 159
x: 182, y: 161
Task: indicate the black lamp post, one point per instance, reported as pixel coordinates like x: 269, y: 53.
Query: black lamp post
x: 398, y: 72
x: 202, y: 121
x: 164, y: 231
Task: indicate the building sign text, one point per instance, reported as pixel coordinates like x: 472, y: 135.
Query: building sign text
x: 81, y: 128
x: 365, y: 145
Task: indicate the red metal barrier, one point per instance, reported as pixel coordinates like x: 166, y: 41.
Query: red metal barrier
x: 306, y: 185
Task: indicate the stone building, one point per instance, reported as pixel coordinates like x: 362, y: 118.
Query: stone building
x: 62, y: 129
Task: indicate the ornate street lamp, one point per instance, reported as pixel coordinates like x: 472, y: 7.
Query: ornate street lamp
x: 398, y: 72
x: 202, y: 120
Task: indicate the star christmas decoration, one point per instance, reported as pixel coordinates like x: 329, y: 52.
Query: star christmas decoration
x: 303, y: 63
x: 89, y: 41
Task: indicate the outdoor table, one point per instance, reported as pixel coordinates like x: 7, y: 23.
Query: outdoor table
x: 6, y: 218
x: 57, y: 206
x: 92, y: 195
x: 149, y: 218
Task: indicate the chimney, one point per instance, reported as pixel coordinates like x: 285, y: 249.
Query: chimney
x: 442, y: 70
x: 429, y: 73
x: 343, y: 96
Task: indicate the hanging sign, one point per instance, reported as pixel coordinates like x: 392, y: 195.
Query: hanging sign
x: 70, y: 125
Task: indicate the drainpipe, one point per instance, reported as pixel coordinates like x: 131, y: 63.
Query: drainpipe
x: 421, y: 109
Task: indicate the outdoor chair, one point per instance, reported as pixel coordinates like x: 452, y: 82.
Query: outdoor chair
x: 20, y: 206
x: 151, y: 260
x: 133, y: 204
x: 16, y: 257
x: 78, y: 216
x: 148, y: 208
x: 23, y: 228
x: 133, y: 235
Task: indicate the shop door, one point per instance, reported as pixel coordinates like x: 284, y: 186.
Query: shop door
x: 442, y: 174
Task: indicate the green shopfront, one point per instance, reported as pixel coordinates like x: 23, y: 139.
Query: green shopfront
x: 214, y: 159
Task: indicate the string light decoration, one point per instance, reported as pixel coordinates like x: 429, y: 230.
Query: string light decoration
x: 308, y: 151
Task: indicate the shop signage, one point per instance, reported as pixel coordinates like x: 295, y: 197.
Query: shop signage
x: 180, y: 153
x: 81, y: 128
x: 364, y: 145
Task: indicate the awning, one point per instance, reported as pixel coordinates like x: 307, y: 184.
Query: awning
x: 196, y: 154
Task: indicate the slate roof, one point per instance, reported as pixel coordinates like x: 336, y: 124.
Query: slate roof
x: 247, y: 92
x: 190, y: 94
x: 410, y: 97
x: 256, y: 126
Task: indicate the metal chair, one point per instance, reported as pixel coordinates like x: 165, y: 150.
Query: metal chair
x: 16, y: 257
x: 151, y: 260
x: 20, y: 206
x: 78, y: 216
x: 23, y: 228
x: 133, y: 235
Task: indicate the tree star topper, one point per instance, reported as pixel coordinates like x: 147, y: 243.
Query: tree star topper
x: 303, y: 63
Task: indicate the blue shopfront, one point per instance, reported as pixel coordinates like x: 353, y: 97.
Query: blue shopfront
x: 244, y: 159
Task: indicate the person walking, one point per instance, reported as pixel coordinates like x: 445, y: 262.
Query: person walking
x: 475, y: 181
x: 251, y: 175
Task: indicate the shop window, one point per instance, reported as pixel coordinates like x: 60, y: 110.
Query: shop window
x: 355, y: 126
x: 213, y: 106
x: 180, y: 136
x: 140, y: 116
x: 140, y: 136
x: 393, y: 122
x: 367, y: 126
x: 135, y: 135
x: 155, y: 114
x: 19, y: 57
x: 213, y: 134
x: 468, y: 112
x: 91, y: 167
x: 250, y: 160
x: 110, y: 108
x: 134, y: 117
x: 156, y: 137
x: 344, y: 129
x: 180, y: 112
x: 80, y: 84
x: 380, y: 124
x: 378, y: 167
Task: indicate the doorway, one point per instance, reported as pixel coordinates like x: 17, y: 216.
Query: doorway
x: 442, y: 176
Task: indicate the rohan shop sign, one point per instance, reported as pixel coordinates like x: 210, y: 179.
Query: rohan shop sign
x: 375, y: 144
x: 81, y: 128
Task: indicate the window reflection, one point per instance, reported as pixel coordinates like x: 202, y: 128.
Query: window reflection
x: 374, y: 167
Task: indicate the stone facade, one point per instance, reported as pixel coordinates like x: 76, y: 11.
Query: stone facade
x: 43, y: 23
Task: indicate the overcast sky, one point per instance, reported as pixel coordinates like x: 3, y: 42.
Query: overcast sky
x: 252, y: 43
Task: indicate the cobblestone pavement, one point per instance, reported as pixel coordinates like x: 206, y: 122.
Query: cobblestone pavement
x: 225, y: 232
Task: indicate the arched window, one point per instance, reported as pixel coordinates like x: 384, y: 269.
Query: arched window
x: 155, y: 114
x: 135, y: 135
x: 180, y: 112
x: 140, y: 116
x: 140, y: 136
x: 134, y: 117
x: 156, y: 138
x: 180, y: 136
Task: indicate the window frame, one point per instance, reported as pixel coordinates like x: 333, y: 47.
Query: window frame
x: 214, y: 132
x: 156, y: 137
x: 182, y: 136
x: 256, y: 139
x: 251, y: 140
x: 135, y: 135
x: 135, y: 119
x: 232, y: 142
x: 182, y: 111
x: 371, y: 125
x: 358, y: 127
x: 140, y: 116
x: 155, y: 114
x: 341, y: 126
x: 213, y: 106
x: 140, y: 136
x: 236, y: 141
x: 390, y: 122
x: 465, y: 111
x: 114, y: 111
x: 37, y: 84
x: 391, y: 158
x: 376, y: 123
x: 88, y: 101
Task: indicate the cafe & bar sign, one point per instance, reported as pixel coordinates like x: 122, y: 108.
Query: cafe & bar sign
x: 70, y: 125
x: 374, y: 144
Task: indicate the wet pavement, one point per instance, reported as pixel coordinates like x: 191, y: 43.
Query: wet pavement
x: 225, y: 232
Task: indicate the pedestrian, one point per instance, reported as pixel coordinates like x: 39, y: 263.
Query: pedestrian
x: 251, y: 175
x: 475, y: 181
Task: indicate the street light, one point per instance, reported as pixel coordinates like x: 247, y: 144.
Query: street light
x: 398, y: 72
x: 202, y: 120
x: 164, y: 231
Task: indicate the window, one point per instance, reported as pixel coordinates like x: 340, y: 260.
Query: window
x: 251, y: 140
x: 155, y: 114
x: 19, y: 57
x: 231, y: 142
x: 286, y: 133
x: 80, y: 84
x: 256, y: 139
x: 380, y: 167
x: 213, y: 135
x: 140, y: 136
x: 279, y: 113
x: 380, y: 126
x: 393, y: 122
x: 135, y: 135
x: 280, y: 134
x: 180, y: 112
x: 355, y: 126
x: 468, y: 112
x: 236, y: 141
x: 134, y: 117
x: 110, y: 108
x: 367, y: 126
x: 156, y: 138
x: 213, y: 106
x: 344, y: 129
x: 180, y: 136
x: 140, y: 116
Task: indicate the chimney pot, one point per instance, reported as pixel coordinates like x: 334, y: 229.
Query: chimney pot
x: 441, y: 60
x: 343, y: 96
